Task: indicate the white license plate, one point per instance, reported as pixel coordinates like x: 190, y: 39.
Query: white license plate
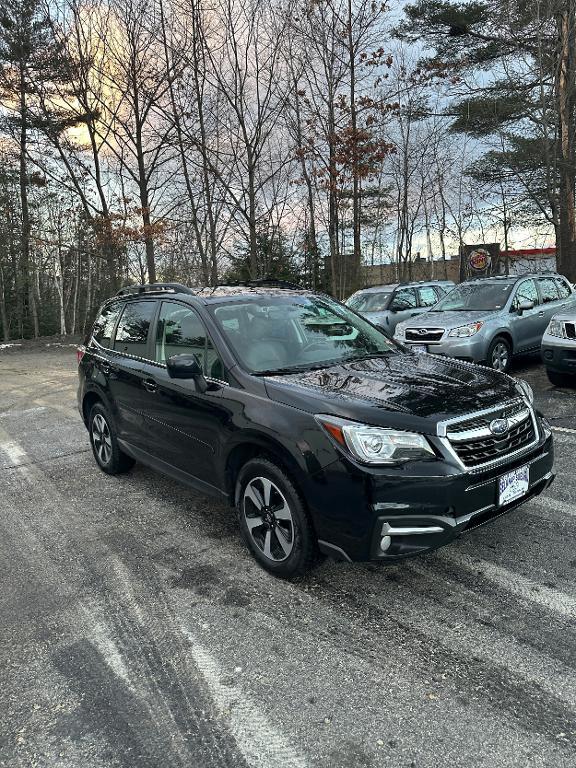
x: 513, y: 485
x: 420, y: 348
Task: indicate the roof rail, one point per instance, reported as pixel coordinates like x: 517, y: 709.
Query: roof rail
x: 271, y: 282
x: 155, y: 288
x: 264, y: 282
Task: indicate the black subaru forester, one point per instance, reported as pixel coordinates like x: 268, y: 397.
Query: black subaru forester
x: 326, y: 435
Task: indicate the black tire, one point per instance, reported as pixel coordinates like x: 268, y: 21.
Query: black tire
x: 292, y: 544
x: 500, y: 354
x: 109, y: 457
x: 560, y: 379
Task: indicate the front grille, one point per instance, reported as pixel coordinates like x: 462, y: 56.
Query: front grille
x: 479, y: 422
x: 424, y: 334
x: 482, y: 450
x: 570, y: 330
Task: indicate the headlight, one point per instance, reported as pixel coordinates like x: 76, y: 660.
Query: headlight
x: 400, y: 332
x: 556, y: 328
x: 525, y: 390
x: 376, y: 445
x: 466, y: 330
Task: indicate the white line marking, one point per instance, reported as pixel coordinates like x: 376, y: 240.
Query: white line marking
x: 526, y: 589
x: 260, y: 743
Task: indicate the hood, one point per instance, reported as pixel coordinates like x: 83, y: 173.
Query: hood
x: 448, y: 319
x: 410, y: 385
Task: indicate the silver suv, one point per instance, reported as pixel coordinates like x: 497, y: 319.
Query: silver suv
x: 388, y: 305
x: 491, y: 319
x: 559, y: 349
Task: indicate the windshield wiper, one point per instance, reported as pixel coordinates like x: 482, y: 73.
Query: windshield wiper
x: 367, y: 356
x: 293, y: 369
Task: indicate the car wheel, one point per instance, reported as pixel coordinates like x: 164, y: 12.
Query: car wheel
x: 109, y: 457
x: 560, y: 379
x: 500, y: 355
x: 273, y: 520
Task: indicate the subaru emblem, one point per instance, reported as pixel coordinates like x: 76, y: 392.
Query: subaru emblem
x: 499, y: 426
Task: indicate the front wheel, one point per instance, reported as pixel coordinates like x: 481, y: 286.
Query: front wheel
x: 273, y: 520
x: 500, y: 355
x: 108, y: 454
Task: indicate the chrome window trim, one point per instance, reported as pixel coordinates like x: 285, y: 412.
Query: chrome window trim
x: 153, y: 362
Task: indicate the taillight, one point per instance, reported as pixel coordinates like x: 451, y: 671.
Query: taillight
x: 80, y: 353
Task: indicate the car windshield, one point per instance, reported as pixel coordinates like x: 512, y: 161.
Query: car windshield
x: 369, y: 302
x: 475, y: 297
x: 283, y: 334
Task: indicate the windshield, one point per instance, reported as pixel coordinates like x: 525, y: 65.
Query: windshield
x: 292, y: 333
x: 369, y: 302
x: 466, y: 297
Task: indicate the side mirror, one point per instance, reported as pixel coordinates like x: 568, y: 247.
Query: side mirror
x: 524, y: 306
x: 187, y: 367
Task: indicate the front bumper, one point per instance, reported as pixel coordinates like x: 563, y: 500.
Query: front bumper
x: 472, y: 349
x: 559, y: 355
x: 447, y: 504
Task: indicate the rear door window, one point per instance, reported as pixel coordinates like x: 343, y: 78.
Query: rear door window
x: 104, y: 325
x: 548, y: 289
x: 563, y: 288
x: 132, y: 332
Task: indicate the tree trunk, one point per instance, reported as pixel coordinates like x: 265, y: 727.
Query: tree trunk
x: 25, y: 212
x: 354, y: 282
x: 3, y: 312
x: 565, y: 84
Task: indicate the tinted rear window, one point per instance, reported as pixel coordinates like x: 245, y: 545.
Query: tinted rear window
x: 132, y: 331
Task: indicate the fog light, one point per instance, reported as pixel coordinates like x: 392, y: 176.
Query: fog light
x: 385, y: 543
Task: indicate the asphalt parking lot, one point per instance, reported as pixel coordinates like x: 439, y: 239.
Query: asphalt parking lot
x: 136, y: 631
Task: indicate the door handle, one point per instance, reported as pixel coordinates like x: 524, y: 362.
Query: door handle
x: 149, y: 385
x: 540, y: 314
x: 106, y: 368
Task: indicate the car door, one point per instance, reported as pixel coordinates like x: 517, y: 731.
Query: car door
x: 527, y: 326
x: 127, y: 372
x: 404, y: 305
x: 184, y: 423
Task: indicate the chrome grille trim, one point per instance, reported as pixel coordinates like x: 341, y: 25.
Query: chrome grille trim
x: 479, y: 433
x: 443, y: 429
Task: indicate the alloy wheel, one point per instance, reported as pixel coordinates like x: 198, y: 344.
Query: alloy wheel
x: 500, y: 357
x: 101, y: 438
x: 268, y: 518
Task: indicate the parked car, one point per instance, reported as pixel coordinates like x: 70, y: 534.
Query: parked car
x: 559, y: 349
x: 490, y: 320
x: 388, y: 305
x: 325, y: 434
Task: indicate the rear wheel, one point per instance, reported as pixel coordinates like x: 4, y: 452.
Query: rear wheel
x: 500, y: 354
x: 273, y: 520
x: 109, y: 457
x: 560, y: 379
